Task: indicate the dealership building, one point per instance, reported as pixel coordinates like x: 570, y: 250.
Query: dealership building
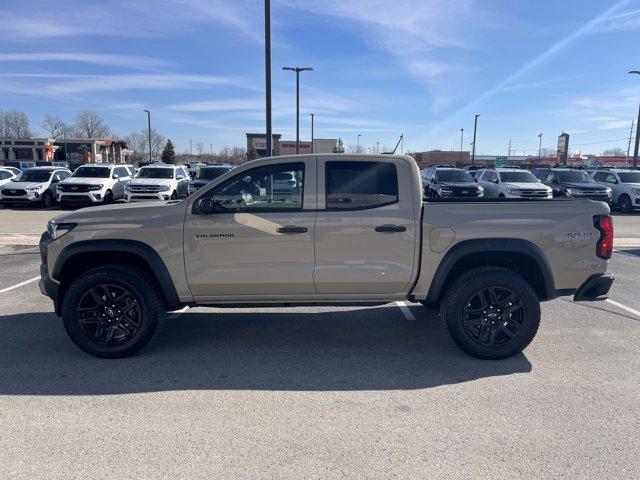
x: 258, y: 141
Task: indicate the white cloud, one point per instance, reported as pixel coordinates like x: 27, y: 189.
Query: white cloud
x: 131, y: 61
x: 228, y: 105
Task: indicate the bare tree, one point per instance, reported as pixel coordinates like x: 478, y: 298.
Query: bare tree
x: 157, y: 144
x: 199, y: 149
x: 90, y: 124
x: 137, y: 143
x: 15, y: 124
x: 614, y: 152
x: 55, y: 127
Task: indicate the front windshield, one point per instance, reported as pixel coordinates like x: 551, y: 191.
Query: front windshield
x: 573, y: 176
x: 92, y: 172
x: 453, y: 176
x: 518, y: 177
x: 34, y: 176
x: 154, y: 172
x: 629, y: 177
x: 210, y: 173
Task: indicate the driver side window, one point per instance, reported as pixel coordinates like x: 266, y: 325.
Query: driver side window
x: 273, y: 187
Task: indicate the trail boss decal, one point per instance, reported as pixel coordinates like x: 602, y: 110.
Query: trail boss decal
x: 200, y: 236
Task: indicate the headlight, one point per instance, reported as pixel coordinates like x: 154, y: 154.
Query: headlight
x: 164, y: 188
x: 480, y: 191
x: 636, y: 191
x: 515, y: 193
x: 56, y: 230
x: 444, y: 191
x: 35, y: 189
x: 95, y: 187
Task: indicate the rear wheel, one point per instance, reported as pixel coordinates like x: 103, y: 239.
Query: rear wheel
x: 491, y: 312
x: 624, y: 203
x: 112, y: 312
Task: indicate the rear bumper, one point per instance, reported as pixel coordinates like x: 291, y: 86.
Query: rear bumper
x: 596, y: 287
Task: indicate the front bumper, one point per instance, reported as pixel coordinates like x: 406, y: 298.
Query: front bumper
x: 47, y: 285
x: 596, y: 287
x: 30, y: 197
x: 80, y: 198
x: 132, y: 196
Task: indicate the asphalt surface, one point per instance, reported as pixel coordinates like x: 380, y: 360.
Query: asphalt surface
x: 320, y: 393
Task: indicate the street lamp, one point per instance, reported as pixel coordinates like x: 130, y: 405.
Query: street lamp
x: 358, y: 143
x: 540, y: 147
x: 149, y: 123
x: 635, y: 151
x: 461, y: 140
x: 312, y: 115
x: 473, y: 152
x: 298, y: 70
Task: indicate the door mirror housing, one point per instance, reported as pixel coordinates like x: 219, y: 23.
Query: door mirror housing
x: 206, y: 206
x: 116, y: 176
x: 179, y: 177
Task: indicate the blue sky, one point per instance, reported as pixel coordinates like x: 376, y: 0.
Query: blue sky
x: 382, y: 68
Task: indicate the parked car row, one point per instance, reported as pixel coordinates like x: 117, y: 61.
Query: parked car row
x: 101, y: 183
x: 619, y: 188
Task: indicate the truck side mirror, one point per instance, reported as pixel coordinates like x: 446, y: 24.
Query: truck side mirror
x: 206, y: 206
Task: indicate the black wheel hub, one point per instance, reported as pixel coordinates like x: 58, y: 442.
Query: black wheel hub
x: 109, y: 314
x: 493, y: 316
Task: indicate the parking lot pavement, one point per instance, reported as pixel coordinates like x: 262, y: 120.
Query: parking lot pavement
x: 321, y: 393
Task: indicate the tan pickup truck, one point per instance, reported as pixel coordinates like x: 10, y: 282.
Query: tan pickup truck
x: 324, y: 230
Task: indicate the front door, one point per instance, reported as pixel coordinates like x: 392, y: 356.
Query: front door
x: 366, y: 226
x: 259, y: 240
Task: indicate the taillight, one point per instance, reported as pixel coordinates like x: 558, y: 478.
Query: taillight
x: 604, y: 247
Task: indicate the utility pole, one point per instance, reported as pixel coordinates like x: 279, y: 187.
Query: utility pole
x: 635, y: 151
x: 630, y: 137
x: 298, y: 70
x: 461, y: 140
x: 312, y: 115
x: 473, y: 152
x: 267, y: 72
x: 211, y: 148
x: 540, y: 147
x: 402, y: 144
x: 377, y: 147
x: 190, y: 150
x: 358, y: 143
x: 149, y: 123
x: 509, y: 152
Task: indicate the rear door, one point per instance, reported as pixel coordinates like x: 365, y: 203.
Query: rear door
x: 365, y: 229
x: 259, y: 242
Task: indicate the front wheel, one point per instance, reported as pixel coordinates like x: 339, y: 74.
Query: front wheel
x: 112, y: 312
x: 491, y: 312
x: 47, y: 199
x: 108, y: 197
x: 174, y: 195
x: 624, y: 203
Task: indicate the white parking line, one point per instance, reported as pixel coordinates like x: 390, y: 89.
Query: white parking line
x: 408, y: 314
x: 623, y: 307
x: 176, y: 314
x: 26, y: 282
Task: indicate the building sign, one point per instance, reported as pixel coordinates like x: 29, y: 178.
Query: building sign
x: 563, y: 148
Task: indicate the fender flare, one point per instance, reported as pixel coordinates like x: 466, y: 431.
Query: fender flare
x: 144, y: 251
x: 493, y: 245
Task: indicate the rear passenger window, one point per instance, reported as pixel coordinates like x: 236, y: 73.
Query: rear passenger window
x: 357, y: 185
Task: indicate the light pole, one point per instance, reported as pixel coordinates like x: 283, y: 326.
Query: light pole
x: 298, y: 70
x: 540, y: 147
x: 267, y: 71
x: 149, y: 122
x: 473, y: 151
x: 461, y: 140
x: 358, y: 143
x: 635, y: 151
x: 211, y: 149
x: 377, y: 147
x: 312, y: 115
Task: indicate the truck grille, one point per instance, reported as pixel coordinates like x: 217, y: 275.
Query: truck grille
x: 464, y: 192
x: 11, y: 192
x: 533, y: 193
x: 73, y: 188
x: 592, y: 194
x: 144, y: 188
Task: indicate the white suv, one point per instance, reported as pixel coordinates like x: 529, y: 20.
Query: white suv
x: 512, y: 183
x: 158, y: 182
x: 95, y: 184
x: 625, y: 186
x: 33, y: 186
x: 6, y: 176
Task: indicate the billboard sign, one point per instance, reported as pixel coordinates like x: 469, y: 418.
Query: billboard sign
x: 563, y: 148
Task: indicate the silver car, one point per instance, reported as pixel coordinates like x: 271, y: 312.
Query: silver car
x: 512, y: 183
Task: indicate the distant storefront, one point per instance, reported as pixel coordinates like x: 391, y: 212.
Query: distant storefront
x: 26, y: 149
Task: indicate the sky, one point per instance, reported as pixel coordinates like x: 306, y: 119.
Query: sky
x: 382, y: 68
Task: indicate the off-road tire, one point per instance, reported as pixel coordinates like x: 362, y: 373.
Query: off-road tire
x: 151, y: 302
x: 464, y: 287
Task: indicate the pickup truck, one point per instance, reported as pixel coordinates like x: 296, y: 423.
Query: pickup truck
x: 324, y: 230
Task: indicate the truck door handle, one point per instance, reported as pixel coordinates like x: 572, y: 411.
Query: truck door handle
x: 391, y: 228
x: 291, y: 230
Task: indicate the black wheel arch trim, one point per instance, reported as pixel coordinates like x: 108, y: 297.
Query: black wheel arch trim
x: 142, y: 250
x: 483, y: 245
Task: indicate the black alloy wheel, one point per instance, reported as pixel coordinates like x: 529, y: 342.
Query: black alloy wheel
x: 47, y: 199
x: 109, y: 314
x: 493, y: 316
x: 624, y: 203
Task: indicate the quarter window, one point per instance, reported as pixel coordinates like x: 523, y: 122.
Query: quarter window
x: 356, y: 185
x: 273, y: 187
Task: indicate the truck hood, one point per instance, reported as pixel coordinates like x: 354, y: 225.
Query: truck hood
x: 583, y: 185
x: 23, y: 185
x: 151, y: 181
x: 525, y: 185
x: 84, y: 181
x: 115, y: 213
